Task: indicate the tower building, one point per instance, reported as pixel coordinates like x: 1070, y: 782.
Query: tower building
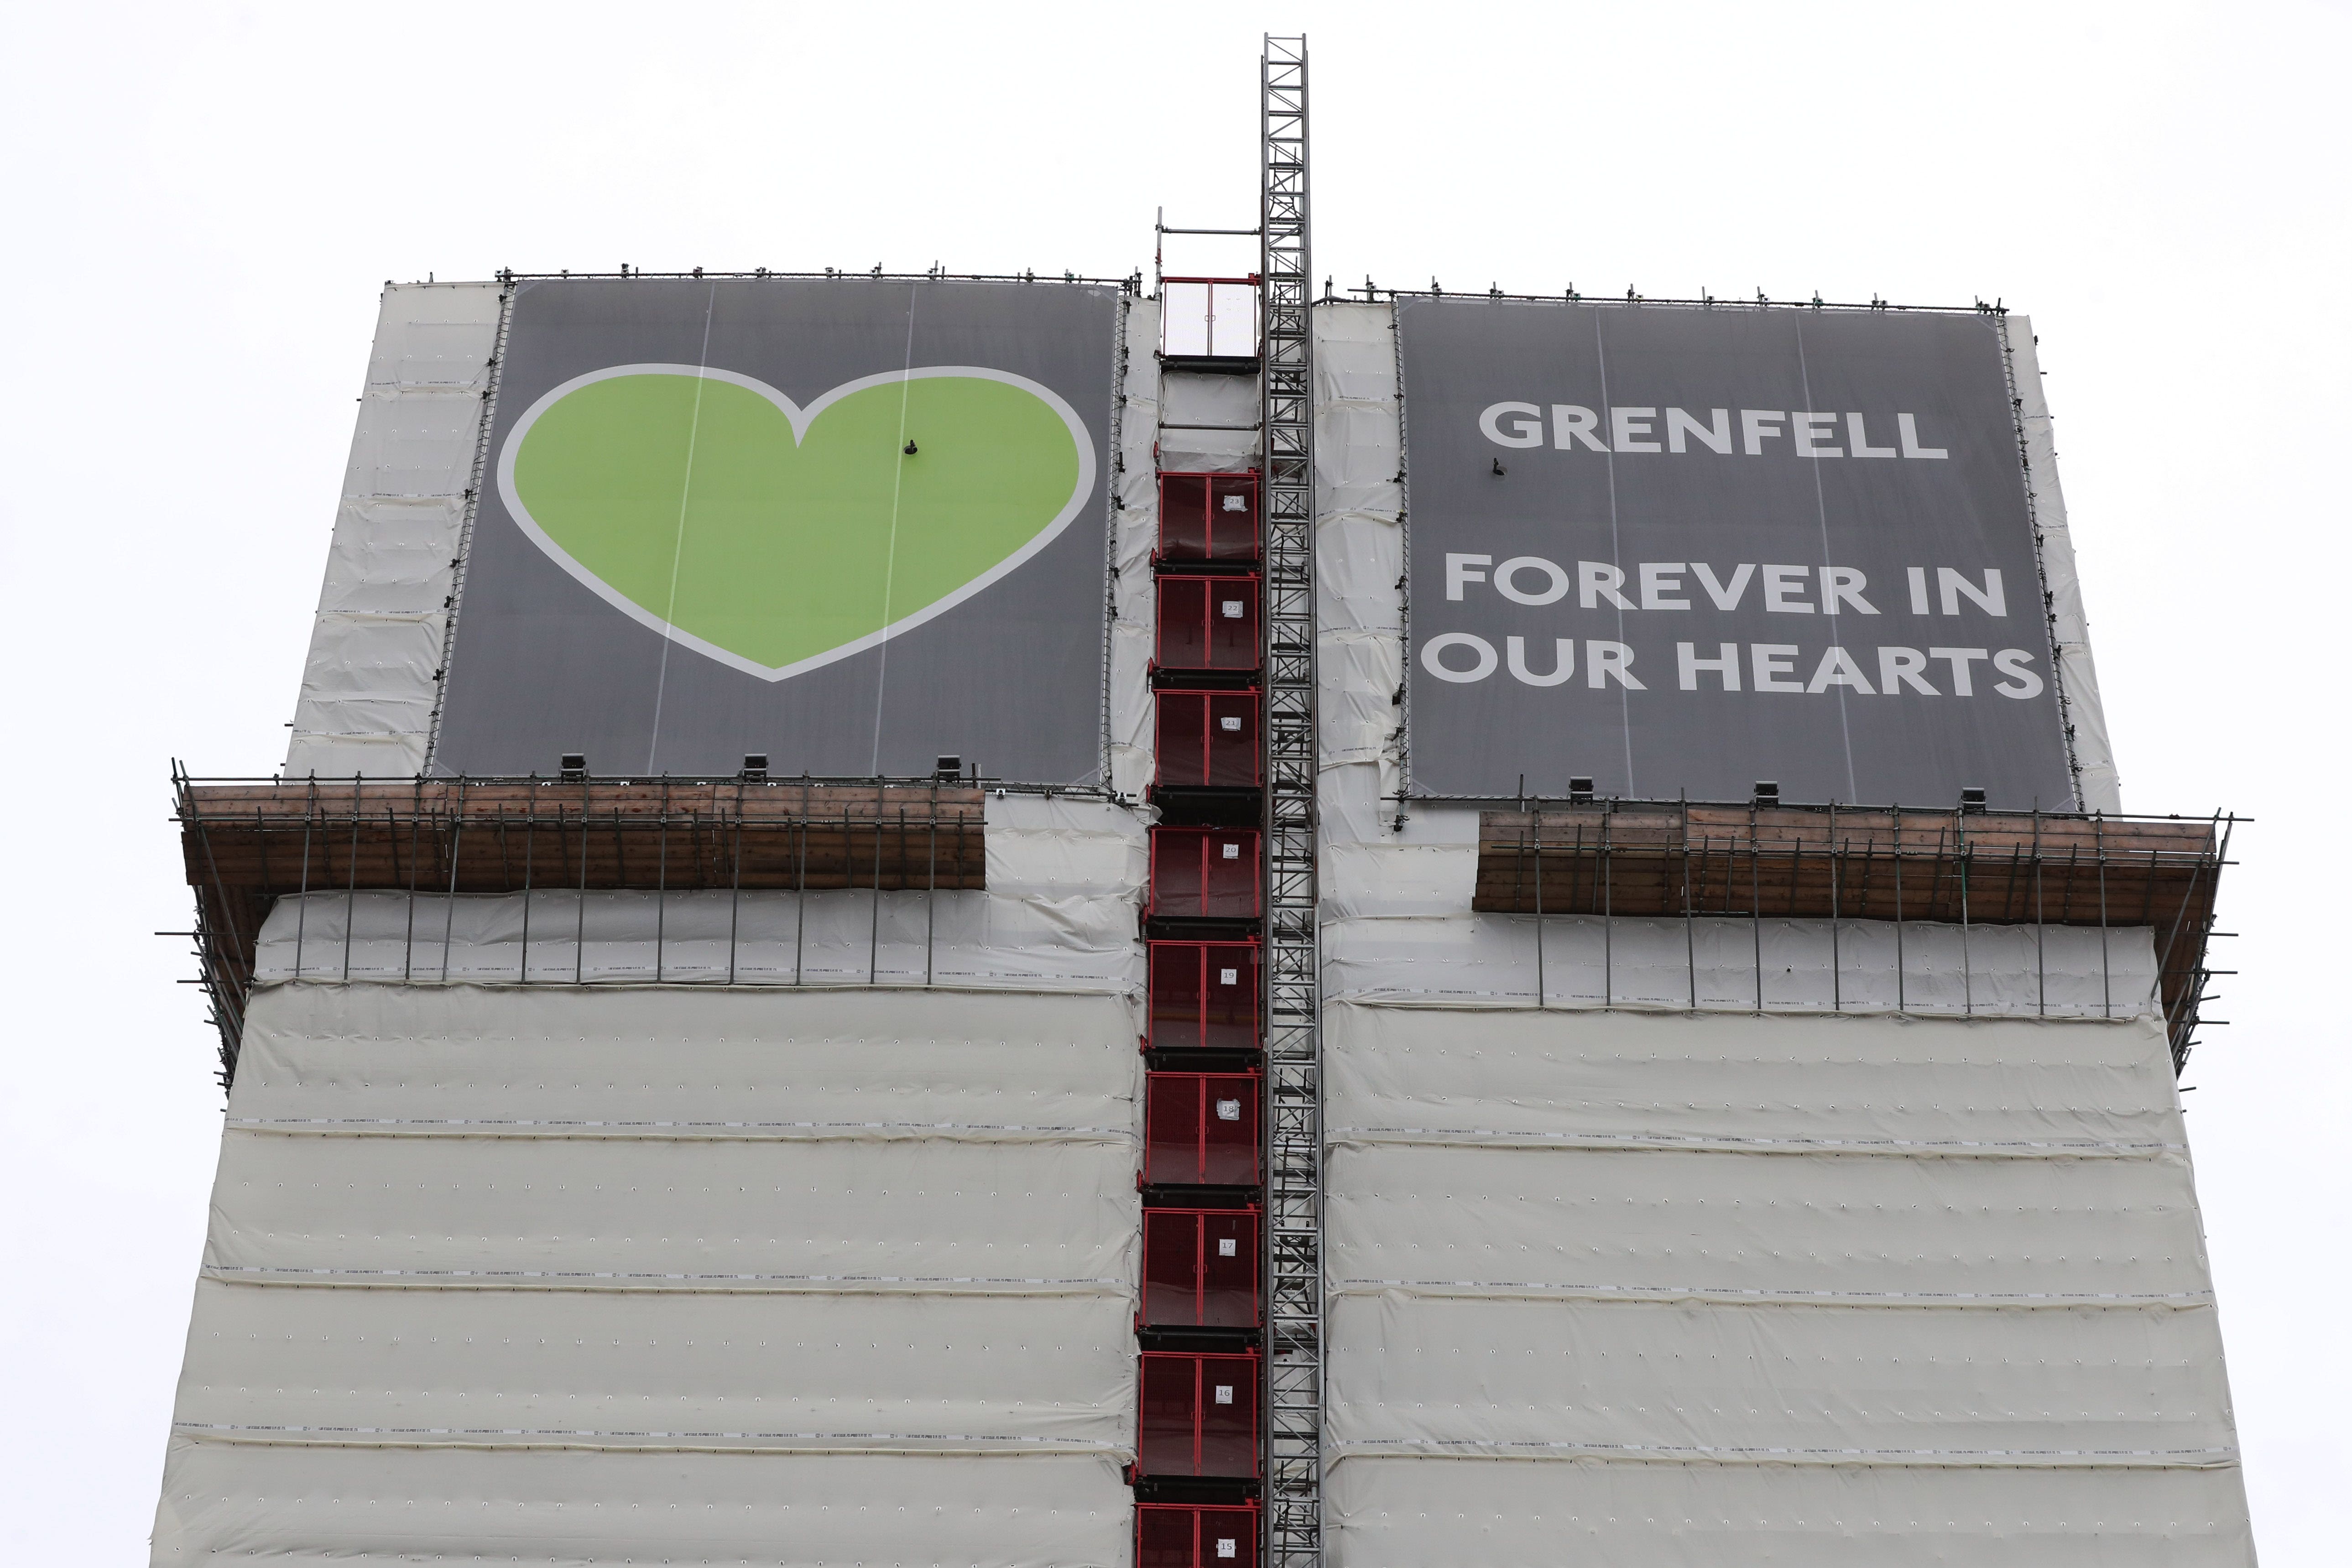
x: 1053, y: 921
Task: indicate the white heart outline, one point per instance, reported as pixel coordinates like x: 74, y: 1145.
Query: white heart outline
x: 800, y: 419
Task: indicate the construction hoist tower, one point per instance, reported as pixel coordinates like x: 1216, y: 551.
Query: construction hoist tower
x: 1294, y: 1349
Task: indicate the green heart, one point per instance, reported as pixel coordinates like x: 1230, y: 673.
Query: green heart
x: 709, y: 506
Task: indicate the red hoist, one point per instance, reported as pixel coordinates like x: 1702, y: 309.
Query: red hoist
x: 1200, y: 1436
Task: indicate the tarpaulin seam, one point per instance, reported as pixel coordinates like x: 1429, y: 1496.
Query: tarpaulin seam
x: 890, y: 548
x: 677, y: 553
x: 1383, y: 994
x: 640, y: 976
x: 559, y: 1437
x: 1798, y: 1144
x: 564, y: 1124
x: 1617, y: 552
x: 1431, y: 1447
x: 1668, y: 1294
x: 264, y: 1273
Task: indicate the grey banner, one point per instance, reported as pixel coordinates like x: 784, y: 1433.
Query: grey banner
x: 1679, y: 551
x: 790, y: 517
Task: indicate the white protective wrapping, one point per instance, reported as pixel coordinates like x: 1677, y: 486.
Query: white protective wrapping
x: 1059, y: 913
x: 1487, y: 1220
x: 702, y: 1369
x: 341, y: 1505
x: 1718, y: 965
x: 1898, y: 1290
x: 1359, y: 571
x: 772, y: 1211
x: 2078, y: 676
x: 1208, y: 423
x: 1135, y: 534
x: 1790, y: 1085
x: 700, y: 1226
x: 1817, y: 1383
x: 1410, y: 1513
x: 368, y: 690
x: 834, y: 1065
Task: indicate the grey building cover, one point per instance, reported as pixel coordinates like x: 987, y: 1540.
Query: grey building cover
x: 1679, y: 550
x: 853, y: 524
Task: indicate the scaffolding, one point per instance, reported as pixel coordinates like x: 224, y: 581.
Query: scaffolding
x: 1373, y: 293
x: 1294, y: 1516
x: 1961, y: 867
x: 248, y: 843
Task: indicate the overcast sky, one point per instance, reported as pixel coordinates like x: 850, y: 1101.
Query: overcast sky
x: 202, y: 202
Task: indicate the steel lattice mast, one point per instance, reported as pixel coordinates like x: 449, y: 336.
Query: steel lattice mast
x: 1293, y: 1512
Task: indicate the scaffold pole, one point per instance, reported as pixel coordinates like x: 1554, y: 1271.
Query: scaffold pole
x: 1293, y: 1512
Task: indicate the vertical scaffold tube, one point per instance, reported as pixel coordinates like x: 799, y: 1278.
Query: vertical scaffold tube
x: 1294, y: 1274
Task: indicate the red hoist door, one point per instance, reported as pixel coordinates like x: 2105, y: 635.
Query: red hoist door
x: 1208, y: 623
x: 1195, y: 1535
x: 1208, y: 516
x: 1204, y: 995
x: 1200, y: 1129
x: 1200, y: 1268
x: 1208, y: 739
x: 1204, y: 873
x: 1198, y: 1415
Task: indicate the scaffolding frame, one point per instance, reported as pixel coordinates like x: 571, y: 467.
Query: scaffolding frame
x: 1131, y: 284
x: 1293, y: 1382
x: 247, y: 842
x: 1372, y: 293
x: 1964, y: 867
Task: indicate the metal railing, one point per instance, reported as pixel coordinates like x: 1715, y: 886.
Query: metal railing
x: 247, y: 844
x: 1964, y: 868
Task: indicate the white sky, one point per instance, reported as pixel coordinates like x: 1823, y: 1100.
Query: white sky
x: 203, y: 200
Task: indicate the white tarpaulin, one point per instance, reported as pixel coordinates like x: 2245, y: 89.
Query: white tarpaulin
x: 855, y: 1065
x: 369, y: 687
x: 840, y: 938
x: 347, y: 1504
x: 1580, y: 1079
x: 1669, y: 1224
x: 1745, y: 1284
x: 957, y: 1212
x: 672, y: 1233
x: 690, y: 1369
x: 1360, y: 558
x: 1412, y: 1513
x: 1135, y: 534
x: 1208, y: 423
x: 1825, y: 1384
x: 2078, y: 678
x: 1459, y: 959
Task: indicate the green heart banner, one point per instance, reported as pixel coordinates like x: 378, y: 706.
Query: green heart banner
x: 775, y: 539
